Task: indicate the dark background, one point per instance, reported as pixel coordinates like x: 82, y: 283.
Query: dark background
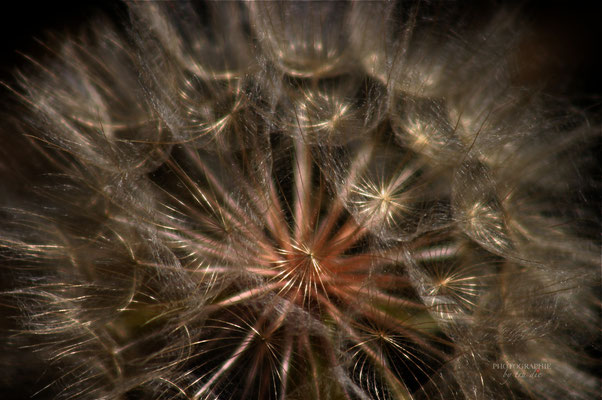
x: 563, y: 52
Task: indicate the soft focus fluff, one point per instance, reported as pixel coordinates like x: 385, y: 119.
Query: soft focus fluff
x: 295, y: 201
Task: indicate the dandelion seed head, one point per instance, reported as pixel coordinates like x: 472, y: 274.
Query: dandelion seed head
x: 296, y: 201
